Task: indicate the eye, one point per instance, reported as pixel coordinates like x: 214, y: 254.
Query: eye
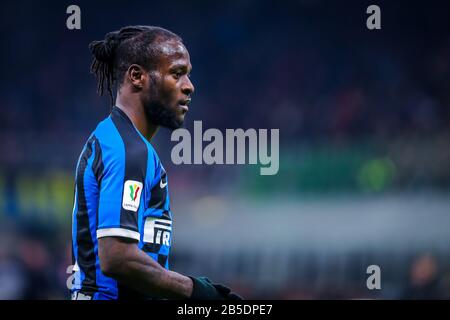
x: 177, y: 74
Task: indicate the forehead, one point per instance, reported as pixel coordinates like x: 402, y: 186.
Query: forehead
x: 173, y: 52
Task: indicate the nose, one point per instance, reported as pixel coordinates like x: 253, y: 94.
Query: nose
x: 188, y: 87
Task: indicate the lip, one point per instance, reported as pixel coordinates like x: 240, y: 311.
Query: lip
x: 184, y: 107
x: 184, y: 104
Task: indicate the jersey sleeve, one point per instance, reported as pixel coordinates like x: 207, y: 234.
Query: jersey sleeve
x: 121, y: 185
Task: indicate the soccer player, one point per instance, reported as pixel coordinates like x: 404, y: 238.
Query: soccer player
x: 122, y: 223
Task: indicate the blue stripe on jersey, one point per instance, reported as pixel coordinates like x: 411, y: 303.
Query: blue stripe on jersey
x: 103, y: 283
x: 113, y: 153
x: 164, y: 250
x: 153, y: 255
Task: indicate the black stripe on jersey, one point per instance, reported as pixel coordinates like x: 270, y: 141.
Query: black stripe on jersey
x: 151, y: 247
x: 85, y: 254
x: 136, y: 155
x: 163, y: 223
x: 97, y: 165
x: 158, y: 195
x: 166, y: 215
x: 162, y: 259
x: 155, y: 248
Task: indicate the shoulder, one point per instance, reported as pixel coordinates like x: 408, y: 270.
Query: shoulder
x: 116, y: 135
x: 107, y: 135
x: 124, y: 149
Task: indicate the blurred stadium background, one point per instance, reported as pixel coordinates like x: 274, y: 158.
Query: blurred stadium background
x: 364, y: 130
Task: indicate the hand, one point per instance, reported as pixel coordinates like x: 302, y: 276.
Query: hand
x: 203, y: 289
x: 226, y: 292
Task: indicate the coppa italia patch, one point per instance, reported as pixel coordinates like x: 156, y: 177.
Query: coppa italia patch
x: 131, y: 195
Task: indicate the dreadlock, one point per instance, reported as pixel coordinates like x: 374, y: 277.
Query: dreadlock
x: 120, y: 49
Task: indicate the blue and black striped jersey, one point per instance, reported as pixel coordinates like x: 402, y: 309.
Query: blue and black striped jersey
x: 121, y: 190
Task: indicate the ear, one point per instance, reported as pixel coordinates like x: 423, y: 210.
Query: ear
x: 137, y: 76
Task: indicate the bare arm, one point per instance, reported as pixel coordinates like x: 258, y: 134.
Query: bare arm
x: 122, y: 260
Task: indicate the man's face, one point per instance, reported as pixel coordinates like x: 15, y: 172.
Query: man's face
x: 167, y: 98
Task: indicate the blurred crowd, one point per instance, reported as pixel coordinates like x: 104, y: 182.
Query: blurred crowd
x: 302, y: 66
x: 37, y: 265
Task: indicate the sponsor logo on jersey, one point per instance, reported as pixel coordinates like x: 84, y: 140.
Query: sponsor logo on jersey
x: 131, y: 195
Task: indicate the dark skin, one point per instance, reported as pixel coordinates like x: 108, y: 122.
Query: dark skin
x: 121, y: 258
x: 173, y: 87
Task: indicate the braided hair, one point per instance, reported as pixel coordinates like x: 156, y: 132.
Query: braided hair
x: 120, y: 49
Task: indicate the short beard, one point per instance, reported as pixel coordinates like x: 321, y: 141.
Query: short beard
x: 157, y: 112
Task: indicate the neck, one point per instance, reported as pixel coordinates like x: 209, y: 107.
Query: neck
x: 135, y: 111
